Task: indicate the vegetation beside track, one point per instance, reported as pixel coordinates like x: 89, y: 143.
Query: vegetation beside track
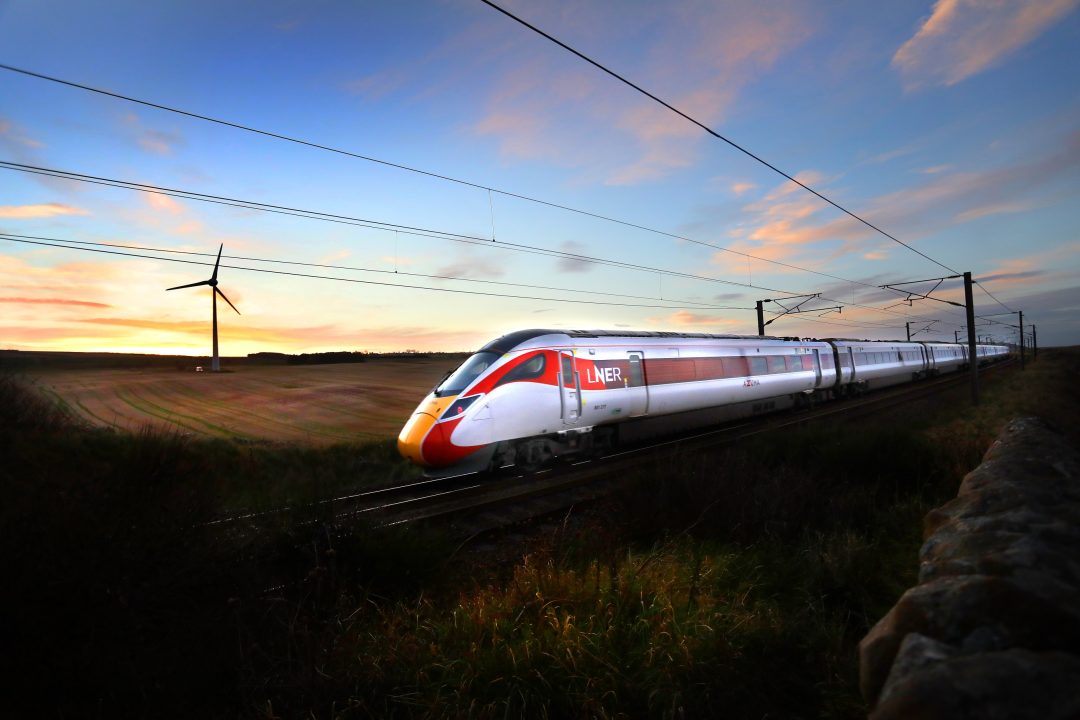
x: 729, y: 584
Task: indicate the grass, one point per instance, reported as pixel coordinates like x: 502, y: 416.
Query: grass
x: 732, y: 584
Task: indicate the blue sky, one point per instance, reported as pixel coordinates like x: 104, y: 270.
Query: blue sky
x: 952, y: 125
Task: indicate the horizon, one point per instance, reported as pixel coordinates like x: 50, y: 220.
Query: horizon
x: 951, y: 126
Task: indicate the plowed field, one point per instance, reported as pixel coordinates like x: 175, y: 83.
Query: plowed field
x: 317, y: 404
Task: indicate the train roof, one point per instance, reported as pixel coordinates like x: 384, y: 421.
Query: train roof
x: 512, y: 340
x: 508, y: 342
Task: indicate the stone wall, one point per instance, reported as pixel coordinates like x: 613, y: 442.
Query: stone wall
x: 992, y: 630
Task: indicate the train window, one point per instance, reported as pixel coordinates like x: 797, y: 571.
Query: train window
x: 758, y: 366
x: 568, y: 371
x: 709, y: 368
x: 531, y: 368
x: 807, y: 362
x: 827, y: 361
x: 735, y: 367
x: 464, y: 376
x: 776, y: 364
x: 637, y: 378
x: 845, y: 361
x: 794, y: 363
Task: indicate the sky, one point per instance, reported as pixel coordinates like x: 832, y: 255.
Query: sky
x: 551, y: 195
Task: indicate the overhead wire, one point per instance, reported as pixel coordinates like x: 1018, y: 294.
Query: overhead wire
x: 9, y: 238
x: 407, y: 168
x: 689, y: 304
x: 363, y: 222
x: 712, y: 132
x: 520, y: 196
x: 404, y: 229
x: 81, y: 246
x: 980, y: 286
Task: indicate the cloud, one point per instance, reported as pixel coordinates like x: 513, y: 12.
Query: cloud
x: 998, y: 208
x: 18, y: 146
x: 336, y: 256
x: 684, y: 318
x: 570, y: 264
x: 471, y: 267
x: 962, y: 38
x: 377, y: 86
x: 24, y: 212
x: 10, y: 134
x: 791, y: 229
x: 167, y: 213
x: 52, y: 301
x: 740, y: 188
x: 158, y: 142
x: 163, y: 202
x: 698, y: 55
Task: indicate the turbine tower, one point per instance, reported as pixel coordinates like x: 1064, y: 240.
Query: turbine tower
x: 215, y: 363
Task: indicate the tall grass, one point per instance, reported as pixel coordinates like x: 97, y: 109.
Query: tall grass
x: 731, y: 584
x: 120, y: 598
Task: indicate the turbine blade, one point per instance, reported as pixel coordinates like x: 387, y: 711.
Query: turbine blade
x: 226, y: 300
x: 181, y: 287
x: 216, y: 262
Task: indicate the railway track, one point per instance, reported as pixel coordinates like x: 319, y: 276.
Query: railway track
x: 495, y: 501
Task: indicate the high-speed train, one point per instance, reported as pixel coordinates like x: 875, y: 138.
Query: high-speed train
x: 534, y: 395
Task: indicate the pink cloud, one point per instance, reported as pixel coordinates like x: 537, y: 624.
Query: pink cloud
x: 163, y: 202
x: 52, y: 301
x: 8, y: 132
x: 24, y: 212
x: 962, y: 38
x: 792, y: 229
x: 699, y: 55
x: 158, y: 142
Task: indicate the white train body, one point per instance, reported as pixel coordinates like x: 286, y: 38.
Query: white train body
x: 536, y: 394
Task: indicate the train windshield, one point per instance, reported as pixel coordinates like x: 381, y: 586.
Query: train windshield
x: 464, y: 375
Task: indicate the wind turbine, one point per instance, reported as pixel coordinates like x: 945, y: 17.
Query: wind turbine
x: 215, y: 363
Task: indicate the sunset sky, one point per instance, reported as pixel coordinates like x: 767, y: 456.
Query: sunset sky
x: 953, y: 125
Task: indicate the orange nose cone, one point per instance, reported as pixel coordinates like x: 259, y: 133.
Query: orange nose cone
x: 416, y: 429
x: 414, y: 432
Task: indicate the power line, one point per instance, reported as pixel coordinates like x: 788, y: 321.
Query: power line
x: 385, y: 226
x: 407, y: 168
x: 406, y: 229
x: 5, y: 236
x: 980, y: 286
x: 710, y: 131
x: 363, y: 222
x: 67, y: 244
x: 64, y: 244
x: 683, y: 303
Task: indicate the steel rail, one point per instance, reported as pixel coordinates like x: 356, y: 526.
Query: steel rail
x: 436, y: 498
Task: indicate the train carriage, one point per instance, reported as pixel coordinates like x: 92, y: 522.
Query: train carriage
x: 532, y: 395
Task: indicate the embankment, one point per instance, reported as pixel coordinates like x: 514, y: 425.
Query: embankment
x: 993, y: 627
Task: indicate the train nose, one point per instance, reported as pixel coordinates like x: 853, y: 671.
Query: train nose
x: 416, y: 429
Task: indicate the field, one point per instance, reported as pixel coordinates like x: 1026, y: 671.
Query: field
x: 310, y: 404
x: 734, y: 583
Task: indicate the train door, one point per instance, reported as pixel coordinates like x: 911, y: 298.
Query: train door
x: 851, y: 362
x: 817, y: 368
x: 569, y: 389
x: 635, y: 385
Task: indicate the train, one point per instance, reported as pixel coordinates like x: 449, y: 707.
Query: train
x: 531, y: 396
